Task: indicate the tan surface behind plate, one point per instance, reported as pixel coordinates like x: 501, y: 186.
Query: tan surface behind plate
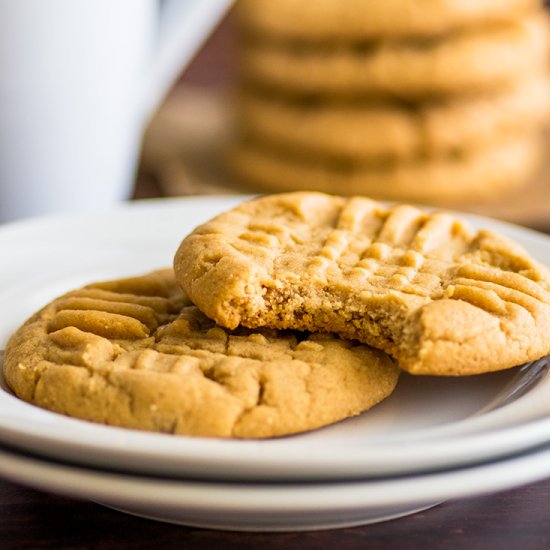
x: 183, y: 152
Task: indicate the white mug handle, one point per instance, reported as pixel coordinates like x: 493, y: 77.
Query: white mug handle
x: 183, y: 26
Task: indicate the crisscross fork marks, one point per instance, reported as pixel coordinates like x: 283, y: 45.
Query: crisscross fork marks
x: 419, y: 251
x: 498, y: 292
x: 131, y: 309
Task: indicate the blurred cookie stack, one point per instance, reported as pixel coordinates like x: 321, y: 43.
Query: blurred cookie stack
x: 437, y: 101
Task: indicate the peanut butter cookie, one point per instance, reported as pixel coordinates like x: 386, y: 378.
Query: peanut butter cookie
x: 136, y: 353
x: 473, y: 176
x: 476, y: 60
x: 386, y: 130
x: 332, y: 20
x: 439, y: 297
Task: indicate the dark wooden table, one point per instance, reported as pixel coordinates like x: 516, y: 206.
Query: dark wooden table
x: 511, y: 520
x: 516, y: 519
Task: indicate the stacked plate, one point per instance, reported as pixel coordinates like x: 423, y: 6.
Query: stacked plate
x: 434, y: 439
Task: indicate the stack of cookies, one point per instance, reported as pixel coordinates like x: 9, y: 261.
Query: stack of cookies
x: 441, y: 102
x: 285, y: 314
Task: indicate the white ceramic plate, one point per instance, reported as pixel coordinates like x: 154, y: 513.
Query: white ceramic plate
x: 429, y: 423
x: 273, y: 506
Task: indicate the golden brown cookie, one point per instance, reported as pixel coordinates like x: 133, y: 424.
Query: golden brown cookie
x: 474, y: 176
x: 437, y: 296
x: 136, y: 353
x: 474, y: 61
x: 386, y: 130
x: 335, y: 20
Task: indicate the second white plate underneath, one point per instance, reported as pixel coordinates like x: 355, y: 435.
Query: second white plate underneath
x: 274, y: 506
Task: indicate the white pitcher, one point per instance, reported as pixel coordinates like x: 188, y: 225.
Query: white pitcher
x: 78, y: 81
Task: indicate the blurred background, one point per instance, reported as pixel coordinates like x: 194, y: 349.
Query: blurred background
x: 446, y: 109
x: 444, y: 103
